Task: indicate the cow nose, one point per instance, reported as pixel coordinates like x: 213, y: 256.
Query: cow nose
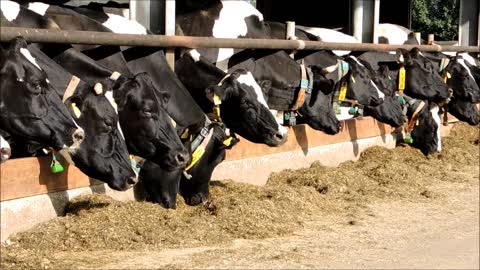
x: 5, y: 153
x: 280, y: 137
x: 78, y: 136
x: 182, y: 158
x: 132, y: 180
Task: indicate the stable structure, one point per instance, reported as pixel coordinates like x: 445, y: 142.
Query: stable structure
x: 36, y: 195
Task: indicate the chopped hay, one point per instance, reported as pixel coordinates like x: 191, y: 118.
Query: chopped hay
x: 236, y: 210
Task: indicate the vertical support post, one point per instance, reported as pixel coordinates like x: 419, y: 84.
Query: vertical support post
x: 140, y: 12
x: 376, y: 20
x: 290, y: 34
x: 363, y: 20
x: 430, y: 39
x: 170, y: 30
x: 418, y: 37
x: 468, y: 21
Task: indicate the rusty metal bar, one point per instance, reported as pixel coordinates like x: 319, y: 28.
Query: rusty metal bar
x: 101, y: 38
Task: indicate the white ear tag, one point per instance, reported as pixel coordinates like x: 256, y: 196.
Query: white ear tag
x: 98, y: 88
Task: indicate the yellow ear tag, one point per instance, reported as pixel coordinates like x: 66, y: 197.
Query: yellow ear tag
x: 343, y: 91
x: 401, y: 78
x: 185, y: 134
x: 76, y: 110
x: 228, y: 141
x: 216, y: 99
x: 352, y: 78
x: 196, y: 155
x: 449, y: 75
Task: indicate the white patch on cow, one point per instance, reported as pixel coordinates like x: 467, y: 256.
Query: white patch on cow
x: 249, y: 80
x: 461, y: 61
x: 231, y: 24
x: 121, y: 25
x: 356, y: 60
x: 380, y: 93
x: 329, y: 35
x: 10, y: 9
x: 436, y: 118
x: 47, y: 80
x: 29, y: 57
x: 344, y: 115
x: 111, y: 100
x: 396, y: 34
x: 39, y: 8
x: 468, y: 58
x: 4, y: 145
x: 194, y: 54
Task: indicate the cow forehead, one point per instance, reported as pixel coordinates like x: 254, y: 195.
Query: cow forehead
x: 29, y: 57
x: 10, y: 9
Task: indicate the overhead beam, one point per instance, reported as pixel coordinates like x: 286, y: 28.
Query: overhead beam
x: 112, y: 39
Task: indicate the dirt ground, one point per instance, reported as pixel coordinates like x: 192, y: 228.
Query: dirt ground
x: 440, y: 233
x: 391, y: 209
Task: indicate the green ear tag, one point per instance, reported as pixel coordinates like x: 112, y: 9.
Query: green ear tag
x: 56, y: 167
x: 401, y: 99
x: 408, y: 138
x: 352, y: 110
x: 134, y: 165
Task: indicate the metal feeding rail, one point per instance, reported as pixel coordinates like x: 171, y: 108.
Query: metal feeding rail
x: 112, y: 39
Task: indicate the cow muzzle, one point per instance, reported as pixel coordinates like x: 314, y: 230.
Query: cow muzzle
x: 5, y: 153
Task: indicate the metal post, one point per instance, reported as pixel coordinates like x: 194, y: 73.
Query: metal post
x: 290, y: 34
x: 376, y: 20
x: 363, y: 20
x: 418, y: 37
x: 468, y: 21
x: 430, y: 39
x: 170, y: 30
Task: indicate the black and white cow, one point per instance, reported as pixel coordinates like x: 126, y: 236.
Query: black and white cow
x: 30, y: 108
x: 147, y: 128
x: 103, y: 155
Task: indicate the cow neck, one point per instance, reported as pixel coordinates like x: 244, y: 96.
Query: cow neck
x: 339, y: 97
x: 304, y: 92
x: 413, y: 120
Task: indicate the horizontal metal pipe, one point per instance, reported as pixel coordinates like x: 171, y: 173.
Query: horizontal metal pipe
x: 102, y: 38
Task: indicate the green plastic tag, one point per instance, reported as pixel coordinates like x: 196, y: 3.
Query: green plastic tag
x: 408, y: 138
x: 56, y: 167
x: 352, y: 110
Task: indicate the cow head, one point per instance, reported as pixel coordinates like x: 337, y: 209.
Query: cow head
x: 422, y: 80
x: 426, y: 131
x: 317, y: 110
x: 244, y: 110
x: 103, y: 155
x: 464, y: 110
x: 146, y: 125
x: 461, y: 79
x: 159, y: 185
x: 31, y: 108
x: 390, y: 111
x: 356, y: 76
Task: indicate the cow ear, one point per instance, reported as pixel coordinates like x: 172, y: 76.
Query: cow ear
x: 17, y: 44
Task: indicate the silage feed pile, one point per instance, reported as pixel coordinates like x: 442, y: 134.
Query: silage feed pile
x: 242, y: 211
